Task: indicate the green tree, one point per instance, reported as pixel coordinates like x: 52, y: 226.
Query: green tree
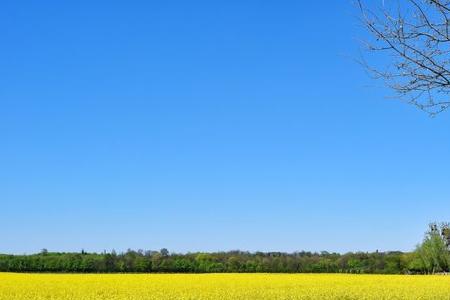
x: 433, y: 254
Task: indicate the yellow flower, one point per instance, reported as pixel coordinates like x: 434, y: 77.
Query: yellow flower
x: 220, y: 286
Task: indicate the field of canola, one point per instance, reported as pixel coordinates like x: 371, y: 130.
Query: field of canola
x: 220, y: 286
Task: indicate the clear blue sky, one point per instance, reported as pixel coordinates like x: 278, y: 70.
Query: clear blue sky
x: 206, y: 125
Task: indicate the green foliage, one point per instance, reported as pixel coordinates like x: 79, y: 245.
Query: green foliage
x: 433, y: 254
x: 234, y: 261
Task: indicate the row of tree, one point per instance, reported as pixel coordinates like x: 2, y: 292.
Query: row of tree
x: 234, y: 261
x: 431, y: 256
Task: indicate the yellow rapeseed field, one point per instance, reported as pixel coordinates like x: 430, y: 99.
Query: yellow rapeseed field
x: 220, y: 286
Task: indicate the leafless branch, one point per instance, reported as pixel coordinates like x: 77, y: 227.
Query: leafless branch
x: 415, y: 35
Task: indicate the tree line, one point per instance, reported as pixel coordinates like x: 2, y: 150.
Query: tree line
x: 233, y: 261
x: 431, y: 256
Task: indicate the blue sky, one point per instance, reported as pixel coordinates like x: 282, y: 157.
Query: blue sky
x: 206, y: 125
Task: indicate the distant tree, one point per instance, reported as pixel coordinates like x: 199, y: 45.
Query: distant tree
x: 433, y: 253
x: 141, y: 264
x: 164, y: 252
x: 233, y: 261
x: 445, y: 233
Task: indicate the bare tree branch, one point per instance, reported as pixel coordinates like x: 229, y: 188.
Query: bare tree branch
x: 415, y: 36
